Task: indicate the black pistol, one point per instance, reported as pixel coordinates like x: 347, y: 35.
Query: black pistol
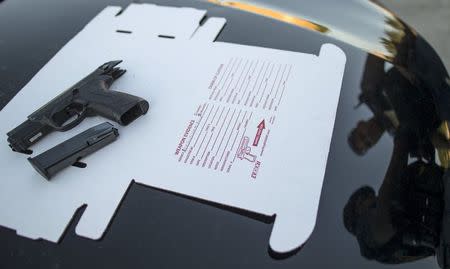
x: 70, y: 152
x: 89, y: 97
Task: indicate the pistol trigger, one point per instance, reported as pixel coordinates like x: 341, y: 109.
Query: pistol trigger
x: 79, y: 164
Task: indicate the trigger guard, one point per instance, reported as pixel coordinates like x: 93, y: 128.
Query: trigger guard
x: 72, y: 124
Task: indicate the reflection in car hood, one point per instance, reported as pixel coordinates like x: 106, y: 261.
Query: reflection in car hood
x: 407, y: 101
x: 403, y: 221
x: 370, y: 27
x: 363, y: 24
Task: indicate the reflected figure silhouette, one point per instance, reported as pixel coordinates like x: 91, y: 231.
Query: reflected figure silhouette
x: 394, y: 101
x: 401, y: 223
x: 405, y: 219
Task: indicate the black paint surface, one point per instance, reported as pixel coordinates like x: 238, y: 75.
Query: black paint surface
x: 154, y: 229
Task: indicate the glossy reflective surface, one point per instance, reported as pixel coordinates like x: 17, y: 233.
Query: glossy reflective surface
x: 401, y: 221
x: 395, y: 142
x: 363, y: 24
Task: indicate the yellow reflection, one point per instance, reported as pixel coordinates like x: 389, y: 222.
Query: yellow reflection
x: 277, y: 15
x: 295, y: 20
x: 444, y: 130
x: 394, y: 36
x: 385, y: 47
x: 444, y: 153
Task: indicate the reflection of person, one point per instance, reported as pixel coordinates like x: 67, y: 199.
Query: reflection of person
x: 402, y: 223
x: 365, y: 135
x: 394, y: 101
x: 421, y: 70
x: 410, y: 101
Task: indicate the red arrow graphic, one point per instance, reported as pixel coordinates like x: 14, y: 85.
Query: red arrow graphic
x: 261, y: 127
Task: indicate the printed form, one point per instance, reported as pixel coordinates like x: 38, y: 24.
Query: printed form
x: 233, y: 126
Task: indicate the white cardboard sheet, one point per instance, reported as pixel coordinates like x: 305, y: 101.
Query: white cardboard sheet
x: 242, y: 126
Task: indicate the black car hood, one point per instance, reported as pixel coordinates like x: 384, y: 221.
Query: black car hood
x: 392, y: 73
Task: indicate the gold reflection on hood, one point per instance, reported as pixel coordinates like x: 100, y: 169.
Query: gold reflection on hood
x: 386, y: 45
x: 394, y: 36
x: 277, y: 15
x: 444, y: 152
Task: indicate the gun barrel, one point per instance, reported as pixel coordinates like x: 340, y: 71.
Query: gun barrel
x: 27, y: 134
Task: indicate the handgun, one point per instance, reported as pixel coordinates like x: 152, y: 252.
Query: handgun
x: 89, y: 97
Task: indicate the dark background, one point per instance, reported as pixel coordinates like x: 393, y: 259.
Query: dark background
x: 154, y: 229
